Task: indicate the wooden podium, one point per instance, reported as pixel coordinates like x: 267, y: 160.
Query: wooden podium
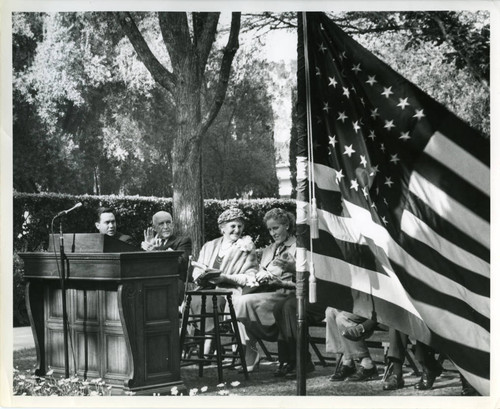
x: 122, y: 312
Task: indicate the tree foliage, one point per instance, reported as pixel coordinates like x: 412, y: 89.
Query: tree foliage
x: 128, y: 102
x: 466, y: 33
x: 94, y: 120
x: 239, y: 156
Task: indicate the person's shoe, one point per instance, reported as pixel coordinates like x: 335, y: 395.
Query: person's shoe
x: 467, y: 388
x: 428, y: 377
x: 293, y: 373
x: 252, y: 358
x: 280, y: 371
x: 283, y: 369
x: 393, y: 382
x: 363, y: 374
x: 344, y: 372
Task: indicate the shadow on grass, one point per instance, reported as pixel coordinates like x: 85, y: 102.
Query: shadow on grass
x: 264, y: 383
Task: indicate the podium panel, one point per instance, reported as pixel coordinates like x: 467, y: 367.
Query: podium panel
x: 123, y: 323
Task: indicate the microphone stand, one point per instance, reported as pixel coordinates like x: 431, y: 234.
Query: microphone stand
x: 63, y: 295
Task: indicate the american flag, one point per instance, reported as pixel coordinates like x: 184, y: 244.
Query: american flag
x: 402, y: 187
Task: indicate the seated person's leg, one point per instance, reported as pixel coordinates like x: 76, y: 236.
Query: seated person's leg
x: 333, y: 340
x: 281, y: 314
x: 396, y: 357
x: 353, y: 350
x: 431, y: 368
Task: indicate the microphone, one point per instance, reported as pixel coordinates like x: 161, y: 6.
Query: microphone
x: 79, y: 204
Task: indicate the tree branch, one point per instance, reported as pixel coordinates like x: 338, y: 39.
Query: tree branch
x: 161, y: 75
x: 175, y: 31
x: 224, y: 71
x: 205, y: 37
x: 463, y: 55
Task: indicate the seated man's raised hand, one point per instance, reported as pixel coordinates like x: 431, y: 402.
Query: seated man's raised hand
x: 149, y: 243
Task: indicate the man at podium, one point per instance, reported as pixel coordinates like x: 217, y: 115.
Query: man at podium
x: 161, y: 237
x: 106, y: 224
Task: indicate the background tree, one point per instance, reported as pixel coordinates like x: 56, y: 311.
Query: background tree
x: 238, y: 152
x: 98, y: 119
x: 188, y: 49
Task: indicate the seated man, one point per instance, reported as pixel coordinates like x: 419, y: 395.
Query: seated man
x: 424, y: 354
x: 165, y: 240
x: 106, y: 224
x: 346, y: 334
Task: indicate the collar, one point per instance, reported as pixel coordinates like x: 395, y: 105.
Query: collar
x: 290, y: 241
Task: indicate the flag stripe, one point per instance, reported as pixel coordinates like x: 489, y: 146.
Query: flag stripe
x: 344, y: 297
x: 464, y: 336
x: 413, y: 267
x: 466, y: 137
x: 427, y: 294
x: 479, y: 383
x: 454, y: 186
x: 449, y: 232
x: 328, y: 200
x: 324, y: 177
x: 420, y: 231
x: 356, y: 254
x: 461, y: 276
x: 347, y: 299
x: 341, y: 228
x: 456, y: 158
x: 361, y: 279
x: 461, y: 217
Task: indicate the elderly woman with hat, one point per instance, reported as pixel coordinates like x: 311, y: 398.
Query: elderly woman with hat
x: 232, y: 254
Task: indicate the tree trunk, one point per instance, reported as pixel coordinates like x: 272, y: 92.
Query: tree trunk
x: 188, y: 206
x: 97, y: 181
x: 188, y: 55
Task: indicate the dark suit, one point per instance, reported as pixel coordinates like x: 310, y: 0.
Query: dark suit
x: 125, y: 238
x: 180, y: 244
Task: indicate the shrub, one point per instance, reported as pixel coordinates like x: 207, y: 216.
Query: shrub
x: 28, y: 384
x: 19, y: 304
x: 33, y: 214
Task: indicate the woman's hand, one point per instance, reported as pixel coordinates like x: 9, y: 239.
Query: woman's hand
x: 219, y: 280
x: 285, y: 265
x: 263, y: 276
x: 278, y: 282
x: 252, y: 282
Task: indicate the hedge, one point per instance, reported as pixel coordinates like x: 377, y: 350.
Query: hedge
x: 33, y: 214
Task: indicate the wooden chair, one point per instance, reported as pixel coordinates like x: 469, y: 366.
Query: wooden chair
x: 225, y: 335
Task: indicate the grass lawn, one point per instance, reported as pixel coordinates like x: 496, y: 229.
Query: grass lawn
x: 263, y: 382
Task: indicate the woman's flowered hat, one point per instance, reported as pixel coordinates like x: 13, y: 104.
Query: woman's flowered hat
x: 232, y: 213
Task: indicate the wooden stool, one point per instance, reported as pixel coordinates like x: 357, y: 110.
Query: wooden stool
x: 219, y: 318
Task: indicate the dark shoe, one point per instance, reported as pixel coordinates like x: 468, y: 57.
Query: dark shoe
x: 342, y: 373
x: 361, y: 331
x: 309, y: 368
x: 284, y: 369
x: 469, y: 391
x: 363, y: 374
x: 428, y: 378
x: 393, y: 382
x: 467, y: 388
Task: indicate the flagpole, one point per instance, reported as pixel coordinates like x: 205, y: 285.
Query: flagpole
x: 302, y: 231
